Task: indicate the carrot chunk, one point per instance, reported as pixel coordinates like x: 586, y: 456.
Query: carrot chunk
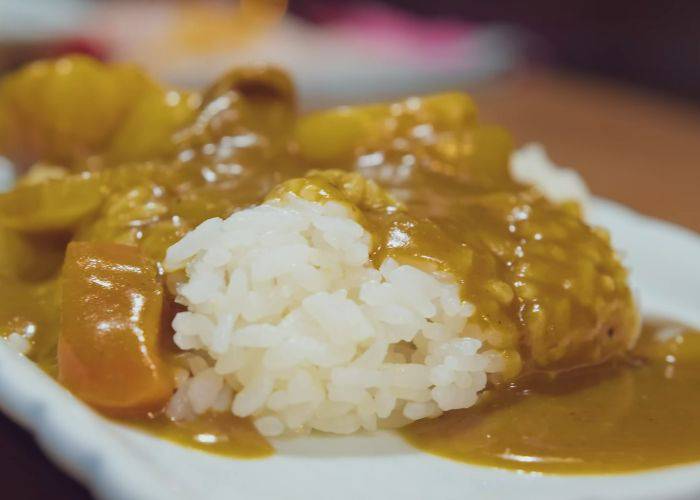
x: 108, y: 350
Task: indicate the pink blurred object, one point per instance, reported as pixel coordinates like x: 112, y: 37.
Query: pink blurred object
x: 397, y: 33
x: 78, y: 45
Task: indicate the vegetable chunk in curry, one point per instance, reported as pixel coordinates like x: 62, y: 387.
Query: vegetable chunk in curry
x: 117, y: 168
x: 111, y: 311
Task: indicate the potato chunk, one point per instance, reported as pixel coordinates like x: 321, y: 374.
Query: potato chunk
x: 68, y: 111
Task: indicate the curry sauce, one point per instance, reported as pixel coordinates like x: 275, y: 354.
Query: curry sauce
x: 218, y: 433
x: 622, y: 416
x: 144, y: 164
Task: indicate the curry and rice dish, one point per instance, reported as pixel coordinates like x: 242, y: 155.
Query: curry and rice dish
x: 217, y: 263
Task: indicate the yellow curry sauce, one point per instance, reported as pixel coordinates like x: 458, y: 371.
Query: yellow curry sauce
x: 633, y: 414
x: 218, y: 433
x: 142, y: 165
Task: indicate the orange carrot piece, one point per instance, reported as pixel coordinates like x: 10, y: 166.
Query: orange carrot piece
x: 108, y: 351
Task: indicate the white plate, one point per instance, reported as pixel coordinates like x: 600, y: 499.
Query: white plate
x: 119, y: 463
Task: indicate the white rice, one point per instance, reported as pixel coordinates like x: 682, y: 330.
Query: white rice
x: 531, y: 165
x: 18, y: 343
x: 289, y: 322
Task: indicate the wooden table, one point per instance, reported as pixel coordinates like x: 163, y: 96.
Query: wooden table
x: 632, y: 147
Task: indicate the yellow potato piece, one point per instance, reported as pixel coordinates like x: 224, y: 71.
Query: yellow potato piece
x: 339, y: 133
x: 53, y: 205
x: 67, y: 110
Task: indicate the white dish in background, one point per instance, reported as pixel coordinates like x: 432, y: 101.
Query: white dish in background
x: 119, y: 463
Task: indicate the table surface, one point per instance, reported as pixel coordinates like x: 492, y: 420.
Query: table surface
x: 630, y: 146
x: 636, y: 148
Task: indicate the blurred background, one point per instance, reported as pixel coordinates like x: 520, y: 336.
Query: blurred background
x: 367, y: 49
x: 611, y: 88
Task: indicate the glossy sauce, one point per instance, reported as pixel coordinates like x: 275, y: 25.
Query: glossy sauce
x: 218, y: 433
x: 142, y: 165
x: 626, y: 416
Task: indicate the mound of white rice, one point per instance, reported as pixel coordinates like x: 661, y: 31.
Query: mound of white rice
x: 531, y: 165
x: 290, y: 322
x: 17, y: 342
